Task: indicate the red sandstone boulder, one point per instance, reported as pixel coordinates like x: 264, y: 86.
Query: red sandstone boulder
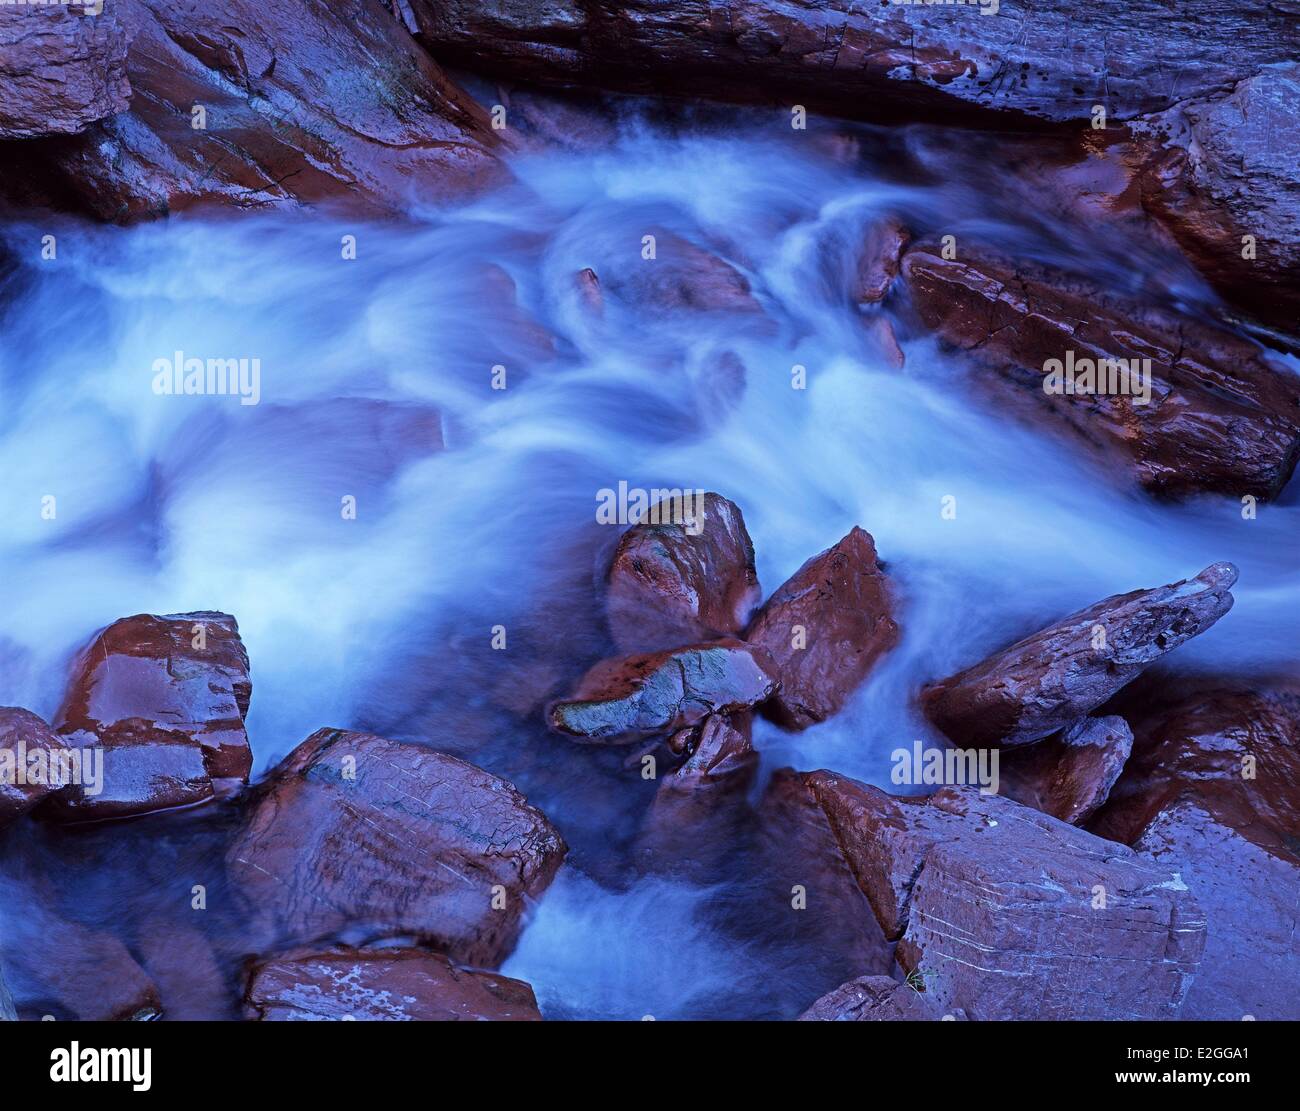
x: 278, y: 128
x: 621, y: 700
x: 1053, y: 678
x: 383, y: 985
x: 1251, y: 901
x: 60, y: 70
x: 824, y: 629
x: 872, y: 999
x: 34, y: 762
x: 1234, y: 754
x: 1007, y: 913
x: 1211, y: 413
x: 687, y: 577
x: 681, y: 277
x: 165, y: 700
x: 1070, y: 774
x: 879, y: 261
x: 362, y: 838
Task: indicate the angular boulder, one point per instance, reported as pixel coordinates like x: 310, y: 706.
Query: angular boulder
x: 1069, y: 775
x: 1233, y: 753
x: 60, y: 70
x: 276, y: 129
x: 890, y: 57
x: 687, y: 578
x: 879, y: 261
x: 361, y: 838
x: 872, y: 999
x: 1006, y: 913
x: 164, y: 698
x: 1221, y: 416
x: 624, y: 699
x: 382, y: 985
x: 1059, y: 675
x: 1251, y: 901
x: 824, y: 629
x: 32, y: 762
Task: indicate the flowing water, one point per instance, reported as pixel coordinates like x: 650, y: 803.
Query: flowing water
x: 475, y: 507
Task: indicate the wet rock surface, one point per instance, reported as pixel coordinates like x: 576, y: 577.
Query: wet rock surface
x: 1221, y: 415
x: 824, y: 629
x: 365, y: 838
x: 277, y: 129
x: 60, y: 70
x: 620, y: 700
x: 26, y: 744
x: 1053, y: 678
x: 872, y: 999
x: 164, y: 698
x: 1069, y: 775
x: 688, y: 578
x: 1007, y: 913
x: 382, y: 985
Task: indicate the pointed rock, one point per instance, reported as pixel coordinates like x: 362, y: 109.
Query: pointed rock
x: 1069, y: 774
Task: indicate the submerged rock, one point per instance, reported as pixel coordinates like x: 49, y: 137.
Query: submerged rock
x: 1053, y: 678
x: 1007, y: 913
x: 689, y: 577
x: 621, y: 700
x: 165, y: 700
x: 824, y: 629
x: 362, y: 838
x: 1206, y: 411
x: 383, y: 985
x: 60, y: 70
x: 1070, y: 774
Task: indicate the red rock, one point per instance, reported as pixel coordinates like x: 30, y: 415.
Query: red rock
x: 1069, y: 774
x: 681, y: 277
x: 304, y: 105
x: 361, y: 838
x: 23, y: 734
x: 871, y: 58
x: 588, y: 286
x: 824, y: 629
x: 165, y: 699
x: 1218, y: 168
x: 879, y: 261
x: 385, y: 985
x: 689, y: 578
x: 872, y: 999
x: 1060, y: 674
x: 621, y: 700
x: 60, y: 70
x: 1251, y: 900
x: 1234, y: 754
x: 1221, y: 417
x: 998, y: 908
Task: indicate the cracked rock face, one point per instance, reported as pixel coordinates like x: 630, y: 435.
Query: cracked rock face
x: 362, y: 838
x: 680, y: 581
x: 1251, y: 900
x: 1220, y: 417
x: 301, y: 105
x: 824, y: 629
x: 1007, y: 913
x: 624, y: 699
x: 1133, y: 57
x: 60, y: 70
x: 165, y: 698
x: 1070, y: 774
x: 1050, y: 680
x: 383, y: 985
